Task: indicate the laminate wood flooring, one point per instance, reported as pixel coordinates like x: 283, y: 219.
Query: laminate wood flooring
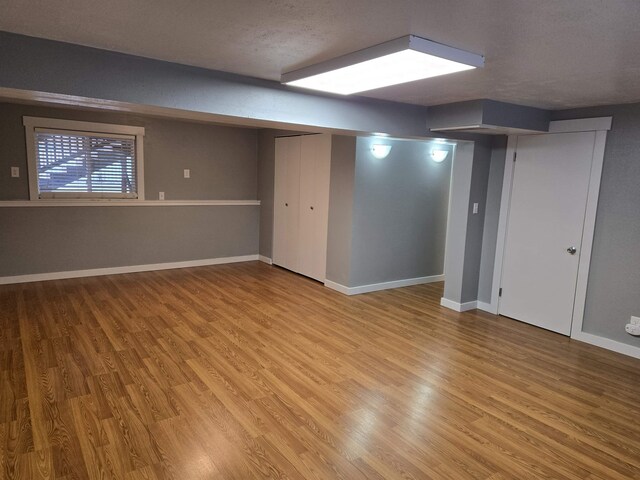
x: 248, y: 371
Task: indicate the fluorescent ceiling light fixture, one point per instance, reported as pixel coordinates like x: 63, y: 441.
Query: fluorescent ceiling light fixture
x: 438, y: 155
x: 380, y: 151
x: 405, y: 59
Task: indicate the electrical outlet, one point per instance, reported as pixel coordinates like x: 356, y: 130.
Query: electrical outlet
x: 632, y: 329
x: 187, y: 173
x: 15, y: 172
x: 635, y: 321
x: 161, y: 196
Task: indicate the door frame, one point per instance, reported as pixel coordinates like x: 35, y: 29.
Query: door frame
x: 600, y: 125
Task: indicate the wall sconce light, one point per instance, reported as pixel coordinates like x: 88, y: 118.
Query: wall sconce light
x: 439, y: 155
x: 380, y: 151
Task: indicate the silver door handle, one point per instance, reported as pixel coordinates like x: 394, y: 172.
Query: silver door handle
x: 572, y: 250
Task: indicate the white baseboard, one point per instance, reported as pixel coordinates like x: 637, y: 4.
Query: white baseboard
x: 374, y: 287
x: 266, y: 260
x: 94, y: 272
x: 337, y: 287
x: 458, y: 307
x: 607, y: 343
x: 487, y: 307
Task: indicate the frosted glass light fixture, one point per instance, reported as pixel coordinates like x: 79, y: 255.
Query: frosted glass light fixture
x: 379, y: 150
x: 439, y: 155
x: 405, y: 59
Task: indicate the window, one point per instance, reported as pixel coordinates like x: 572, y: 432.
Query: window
x: 69, y: 159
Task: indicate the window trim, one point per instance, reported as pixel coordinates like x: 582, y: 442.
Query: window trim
x: 79, y: 127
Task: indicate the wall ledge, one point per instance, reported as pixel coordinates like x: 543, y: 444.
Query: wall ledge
x: 124, y: 203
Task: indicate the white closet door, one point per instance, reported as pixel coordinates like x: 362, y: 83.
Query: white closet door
x: 315, y: 168
x: 286, y: 203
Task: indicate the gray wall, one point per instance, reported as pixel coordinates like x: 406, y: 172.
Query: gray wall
x: 223, y: 160
x: 399, y: 213
x: 491, y: 218
x: 613, y: 292
x: 340, y: 228
x: 461, y: 175
x: 465, y: 229
x: 475, y: 222
x: 223, y: 163
x: 54, y: 239
x: 489, y: 112
x: 47, y: 66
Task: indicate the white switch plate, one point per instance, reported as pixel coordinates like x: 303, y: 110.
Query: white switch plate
x: 161, y: 196
x: 15, y: 172
x: 475, y: 208
x: 187, y: 173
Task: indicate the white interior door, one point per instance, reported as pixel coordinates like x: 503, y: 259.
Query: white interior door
x: 286, y: 203
x: 545, y: 225
x: 314, y: 204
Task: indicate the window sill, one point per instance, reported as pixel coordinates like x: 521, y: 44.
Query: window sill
x: 124, y: 203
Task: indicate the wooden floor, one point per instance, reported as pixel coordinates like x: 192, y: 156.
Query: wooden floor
x: 248, y: 371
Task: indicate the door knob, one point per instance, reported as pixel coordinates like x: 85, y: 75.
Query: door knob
x: 572, y: 250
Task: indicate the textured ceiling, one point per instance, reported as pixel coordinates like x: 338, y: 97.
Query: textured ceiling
x: 545, y: 53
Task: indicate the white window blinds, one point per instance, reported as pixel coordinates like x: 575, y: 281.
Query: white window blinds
x: 85, y: 164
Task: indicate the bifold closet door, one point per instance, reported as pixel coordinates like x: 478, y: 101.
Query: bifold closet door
x: 286, y: 203
x: 315, y: 165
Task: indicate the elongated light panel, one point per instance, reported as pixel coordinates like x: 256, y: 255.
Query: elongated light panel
x: 409, y: 63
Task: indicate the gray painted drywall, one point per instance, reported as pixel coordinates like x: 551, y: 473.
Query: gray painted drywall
x: 399, y: 213
x: 455, y: 114
x: 340, y: 227
x: 491, y: 218
x: 54, y: 239
x: 47, y: 66
x: 461, y: 174
x: 475, y: 222
x: 489, y: 112
x: 222, y: 160
x: 613, y: 291
x: 514, y: 116
x: 266, y: 174
x: 223, y: 163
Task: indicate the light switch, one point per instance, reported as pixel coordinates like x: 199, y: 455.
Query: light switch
x: 161, y: 196
x: 187, y: 173
x: 475, y: 208
x: 15, y: 172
